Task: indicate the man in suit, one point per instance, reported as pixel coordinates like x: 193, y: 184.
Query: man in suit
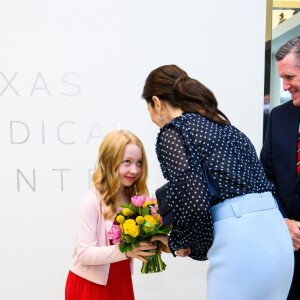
x: 279, y: 151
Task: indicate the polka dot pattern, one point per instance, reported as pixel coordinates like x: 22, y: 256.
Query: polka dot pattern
x: 232, y: 160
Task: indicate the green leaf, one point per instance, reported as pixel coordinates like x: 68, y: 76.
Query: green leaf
x: 125, y: 247
x: 124, y: 205
x: 163, y: 231
x: 148, y: 224
x: 129, y: 238
x: 145, y: 211
x: 136, y: 242
x: 133, y: 208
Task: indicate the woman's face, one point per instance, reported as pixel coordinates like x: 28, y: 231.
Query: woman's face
x: 130, y: 168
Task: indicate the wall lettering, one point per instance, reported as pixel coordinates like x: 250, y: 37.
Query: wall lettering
x: 29, y: 180
x: 10, y: 84
x: 21, y: 133
x: 31, y: 184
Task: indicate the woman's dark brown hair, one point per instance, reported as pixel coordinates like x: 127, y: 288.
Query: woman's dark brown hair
x: 173, y: 85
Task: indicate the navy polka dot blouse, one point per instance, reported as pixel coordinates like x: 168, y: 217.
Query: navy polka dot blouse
x: 232, y: 160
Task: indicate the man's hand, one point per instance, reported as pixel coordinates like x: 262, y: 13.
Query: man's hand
x: 294, y: 228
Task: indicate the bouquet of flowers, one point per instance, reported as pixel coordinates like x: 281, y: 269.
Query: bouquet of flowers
x: 137, y: 222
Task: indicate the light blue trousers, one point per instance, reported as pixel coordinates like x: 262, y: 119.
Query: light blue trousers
x: 252, y: 254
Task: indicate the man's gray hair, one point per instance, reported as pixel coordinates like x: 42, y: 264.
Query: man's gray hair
x: 292, y: 46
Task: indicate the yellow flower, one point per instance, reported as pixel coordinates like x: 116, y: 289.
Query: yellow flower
x: 151, y: 201
x: 140, y: 220
x: 131, y: 228
x: 150, y: 219
x: 147, y: 203
x: 120, y: 219
x: 127, y: 212
x: 157, y: 218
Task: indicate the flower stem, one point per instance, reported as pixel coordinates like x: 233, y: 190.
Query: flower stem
x: 154, y: 264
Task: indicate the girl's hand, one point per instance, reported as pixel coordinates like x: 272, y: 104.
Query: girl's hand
x: 142, y: 250
x: 163, y: 244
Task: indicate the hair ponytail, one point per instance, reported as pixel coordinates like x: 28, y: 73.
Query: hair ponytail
x: 173, y: 85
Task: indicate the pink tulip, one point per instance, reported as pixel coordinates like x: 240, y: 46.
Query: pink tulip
x: 138, y: 200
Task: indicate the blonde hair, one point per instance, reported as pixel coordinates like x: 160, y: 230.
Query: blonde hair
x: 106, y: 176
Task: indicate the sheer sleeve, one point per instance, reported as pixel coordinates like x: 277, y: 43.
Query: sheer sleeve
x: 187, y: 194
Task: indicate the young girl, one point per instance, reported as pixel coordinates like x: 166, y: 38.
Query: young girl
x: 99, y: 270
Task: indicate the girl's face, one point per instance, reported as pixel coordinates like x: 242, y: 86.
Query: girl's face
x: 130, y: 167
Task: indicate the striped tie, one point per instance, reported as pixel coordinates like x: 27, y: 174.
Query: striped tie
x: 298, y: 154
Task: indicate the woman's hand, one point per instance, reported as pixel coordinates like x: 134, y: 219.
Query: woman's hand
x: 142, y: 250
x: 163, y: 244
x: 183, y: 252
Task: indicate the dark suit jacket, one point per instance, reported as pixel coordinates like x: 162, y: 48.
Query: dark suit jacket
x: 278, y: 157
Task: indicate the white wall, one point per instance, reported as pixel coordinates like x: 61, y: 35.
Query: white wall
x: 71, y: 71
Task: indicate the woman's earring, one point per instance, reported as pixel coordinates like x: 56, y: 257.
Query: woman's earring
x: 159, y: 118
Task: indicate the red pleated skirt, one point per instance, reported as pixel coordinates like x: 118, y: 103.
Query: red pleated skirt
x: 119, y: 285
